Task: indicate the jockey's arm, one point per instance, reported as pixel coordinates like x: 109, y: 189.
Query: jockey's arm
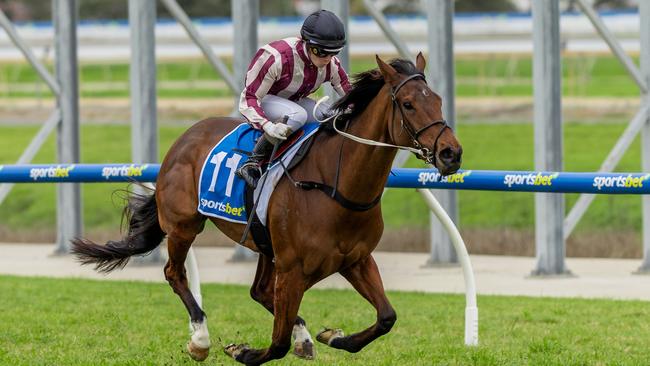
x: 259, y: 78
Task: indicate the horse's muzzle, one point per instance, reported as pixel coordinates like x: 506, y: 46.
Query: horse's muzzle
x: 449, y: 160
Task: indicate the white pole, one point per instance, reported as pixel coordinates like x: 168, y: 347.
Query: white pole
x: 471, y: 308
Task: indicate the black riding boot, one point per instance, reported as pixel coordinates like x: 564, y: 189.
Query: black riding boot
x: 251, y: 171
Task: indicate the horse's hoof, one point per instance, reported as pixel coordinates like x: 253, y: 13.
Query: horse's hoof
x: 197, y: 353
x: 304, y: 350
x: 234, y: 350
x: 328, y: 335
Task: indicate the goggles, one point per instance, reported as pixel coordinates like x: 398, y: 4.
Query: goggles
x: 319, y: 52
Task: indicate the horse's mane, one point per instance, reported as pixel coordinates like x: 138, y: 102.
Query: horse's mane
x: 366, y: 85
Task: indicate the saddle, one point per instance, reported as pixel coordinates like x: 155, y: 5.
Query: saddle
x: 260, y: 233
x: 223, y: 195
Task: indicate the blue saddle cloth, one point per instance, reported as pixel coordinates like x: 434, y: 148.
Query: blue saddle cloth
x: 221, y: 192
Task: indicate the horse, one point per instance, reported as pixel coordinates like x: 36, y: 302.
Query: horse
x: 312, y: 234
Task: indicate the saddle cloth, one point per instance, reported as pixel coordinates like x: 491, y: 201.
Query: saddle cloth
x: 221, y: 192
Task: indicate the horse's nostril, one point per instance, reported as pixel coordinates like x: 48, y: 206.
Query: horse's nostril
x: 446, y: 154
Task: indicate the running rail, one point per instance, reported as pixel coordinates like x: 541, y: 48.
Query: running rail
x: 484, y: 180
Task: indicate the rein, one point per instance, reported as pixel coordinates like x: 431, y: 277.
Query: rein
x: 422, y: 152
x: 333, y: 192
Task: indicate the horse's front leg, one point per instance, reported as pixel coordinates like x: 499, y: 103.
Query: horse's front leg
x: 177, y: 246
x: 365, y: 278
x: 289, y: 289
x: 262, y: 291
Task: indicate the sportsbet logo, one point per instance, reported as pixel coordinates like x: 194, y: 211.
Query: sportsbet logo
x: 620, y: 182
x: 530, y: 179
x: 225, y: 208
x: 51, y: 172
x: 123, y: 171
x: 425, y: 177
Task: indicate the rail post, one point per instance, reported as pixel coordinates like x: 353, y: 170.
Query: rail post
x: 644, y: 15
x: 69, y: 212
x: 549, y: 208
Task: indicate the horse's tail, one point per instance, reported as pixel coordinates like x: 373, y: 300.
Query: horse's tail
x: 144, y: 235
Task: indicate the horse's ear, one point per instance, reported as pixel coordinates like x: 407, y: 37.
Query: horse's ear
x: 420, y: 62
x: 388, y: 72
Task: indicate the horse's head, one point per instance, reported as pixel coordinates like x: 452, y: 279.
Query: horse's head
x: 417, y: 119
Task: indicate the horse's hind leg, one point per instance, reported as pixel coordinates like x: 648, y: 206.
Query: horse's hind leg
x: 289, y: 289
x: 178, y: 245
x: 365, y: 278
x: 262, y: 291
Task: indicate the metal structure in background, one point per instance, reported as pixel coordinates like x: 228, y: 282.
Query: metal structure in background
x: 245, y: 14
x: 644, y: 30
x: 219, y: 66
x: 633, y: 128
x: 69, y: 212
x: 55, y: 117
x: 440, y: 76
x: 547, y: 90
x: 550, y: 247
x: 142, y: 76
x: 440, y: 12
x: 342, y: 9
x: 65, y: 117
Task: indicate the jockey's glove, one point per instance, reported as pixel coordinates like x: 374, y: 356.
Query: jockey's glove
x: 278, y: 130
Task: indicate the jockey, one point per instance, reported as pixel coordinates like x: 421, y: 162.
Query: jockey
x: 282, y: 75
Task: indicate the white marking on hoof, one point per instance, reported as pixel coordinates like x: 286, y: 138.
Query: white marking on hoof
x: 200, y: 335
x: 328, y: 335
x: 234, y: 350
x: 303, y: 345
x: 301, y: 334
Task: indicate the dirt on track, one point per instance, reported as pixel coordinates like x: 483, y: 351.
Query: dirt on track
x: 189, y: 110
x: 607, y: 244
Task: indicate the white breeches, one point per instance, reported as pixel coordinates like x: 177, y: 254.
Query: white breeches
x: 299, y: 112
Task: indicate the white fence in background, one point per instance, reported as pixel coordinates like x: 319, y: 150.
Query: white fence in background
x: 482, y: 33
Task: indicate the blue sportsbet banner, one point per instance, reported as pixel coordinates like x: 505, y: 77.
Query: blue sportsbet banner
x: 487, y: 180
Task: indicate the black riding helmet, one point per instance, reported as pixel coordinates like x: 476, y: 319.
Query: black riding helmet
x: 324, y: 30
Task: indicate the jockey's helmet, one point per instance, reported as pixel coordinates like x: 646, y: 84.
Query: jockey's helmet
x: 323, y: 32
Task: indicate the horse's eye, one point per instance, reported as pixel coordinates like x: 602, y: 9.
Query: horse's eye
x: 408, y: 105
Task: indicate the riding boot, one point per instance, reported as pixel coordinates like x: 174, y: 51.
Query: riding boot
x: 251, y: 170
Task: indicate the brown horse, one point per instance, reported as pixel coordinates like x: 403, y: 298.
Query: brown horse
x: 313, y: 235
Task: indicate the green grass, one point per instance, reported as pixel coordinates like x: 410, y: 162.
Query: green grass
x: 489, y: 75
x: 83, y: 322
x: 501, y: 147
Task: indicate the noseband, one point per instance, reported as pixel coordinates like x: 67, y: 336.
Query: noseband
x: 425, y: 154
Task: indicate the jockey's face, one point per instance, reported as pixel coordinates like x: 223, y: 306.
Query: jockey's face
x: 320, y: 61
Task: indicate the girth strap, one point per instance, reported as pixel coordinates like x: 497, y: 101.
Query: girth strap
x: 337, y: 196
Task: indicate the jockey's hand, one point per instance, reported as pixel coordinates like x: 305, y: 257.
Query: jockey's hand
x: 278, y: 130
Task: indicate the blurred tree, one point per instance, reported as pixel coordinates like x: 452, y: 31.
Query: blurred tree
x: 275, y: 8
x: 26, y: 10
x: 475, y: 6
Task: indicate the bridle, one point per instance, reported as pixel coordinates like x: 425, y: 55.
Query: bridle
x: 425, y: 154
x: 422, y: 152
